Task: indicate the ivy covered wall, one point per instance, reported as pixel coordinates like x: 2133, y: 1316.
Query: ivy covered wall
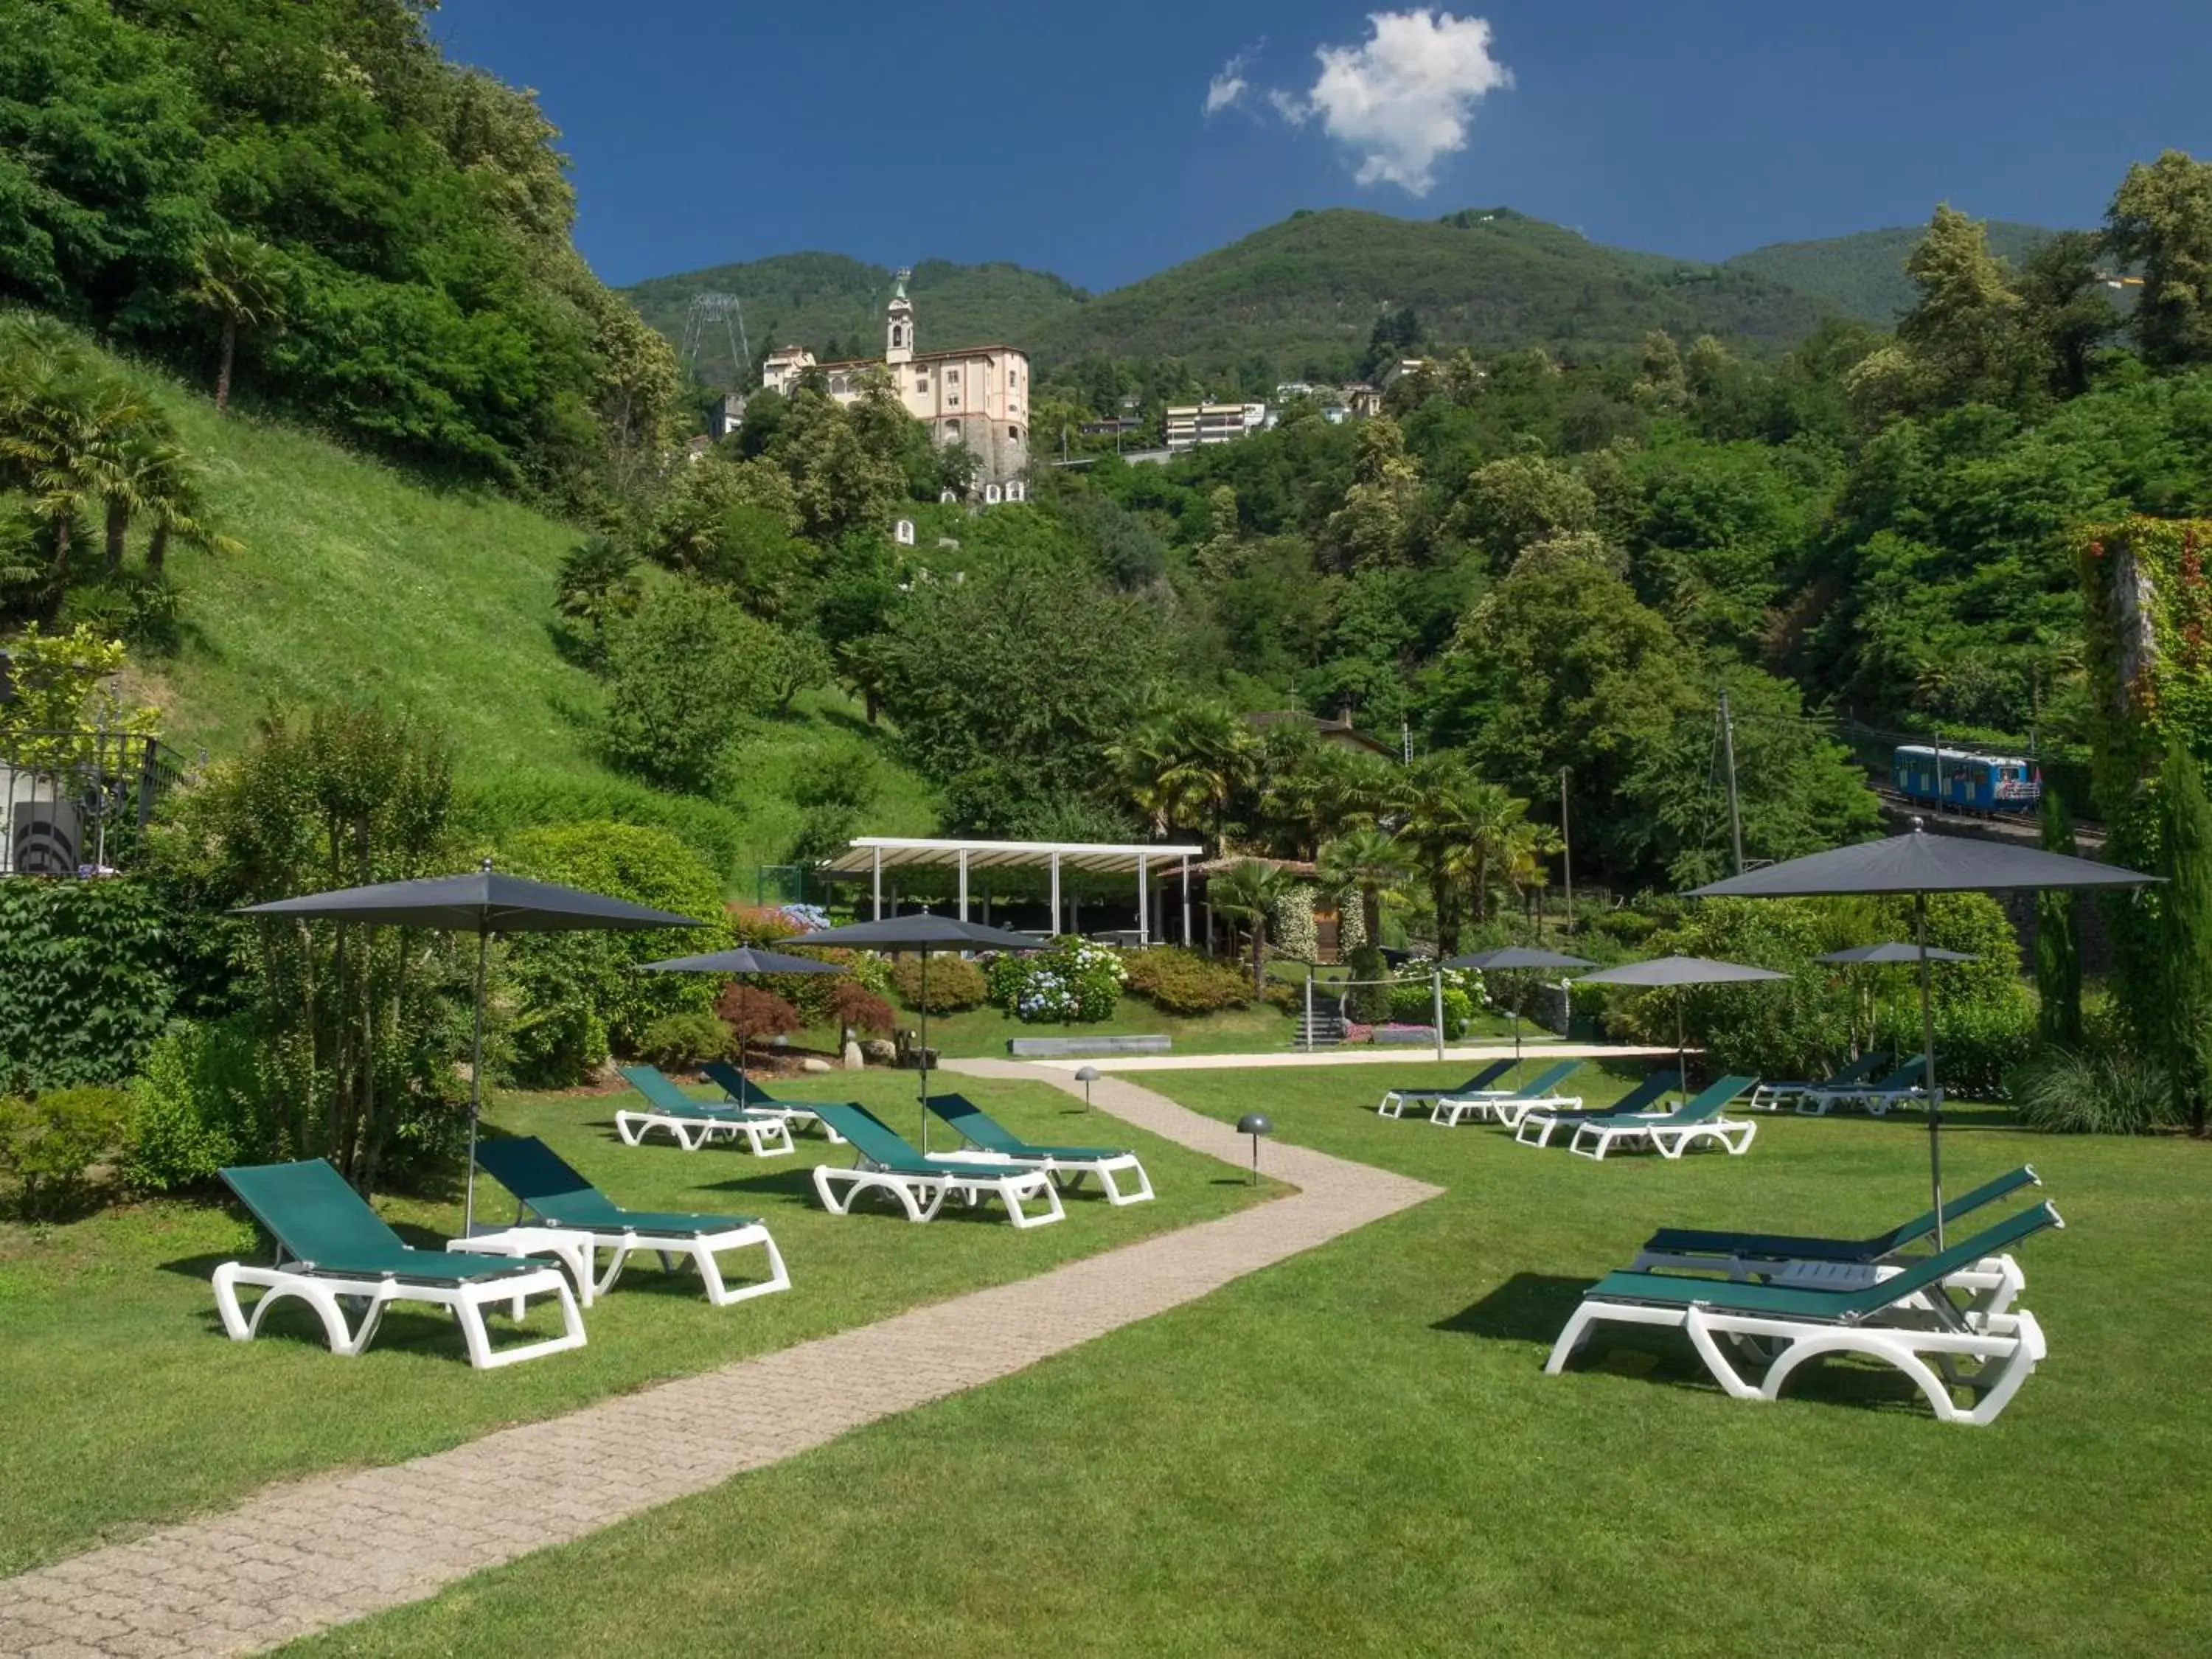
x: 86, y: 980
x: 2148, y: 657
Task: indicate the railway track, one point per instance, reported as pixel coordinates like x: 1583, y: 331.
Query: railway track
x: 1898, y: 808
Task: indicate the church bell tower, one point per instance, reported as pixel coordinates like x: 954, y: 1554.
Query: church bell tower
x: 899, y: 323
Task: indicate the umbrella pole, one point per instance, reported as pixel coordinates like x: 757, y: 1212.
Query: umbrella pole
x: 476, y: 1089
x: 925, y: 1049
x: 1681, y: 1046
x: 1927, y: 1040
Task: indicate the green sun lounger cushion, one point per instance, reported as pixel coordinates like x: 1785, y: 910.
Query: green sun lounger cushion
x: 327, y: 1228
x: 549, y: 1187
x: 885, y: 1147
x: 985, y: 1131
x: 1672, y: 1290
x: 1782, y: 1247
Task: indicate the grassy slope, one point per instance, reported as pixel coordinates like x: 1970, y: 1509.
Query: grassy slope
x: 356, y: 581
x: 810, y: 299
x: 1357, y: 1451
x: 1864, y: 274
x: 127, y: 1408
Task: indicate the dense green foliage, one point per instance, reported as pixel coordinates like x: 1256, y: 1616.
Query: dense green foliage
x: 308, y: 199
x: 359, y: 1026
x: 50, y: 1147
x: 1863, y: 273
x: 87, y: 979
x: 579, y: 993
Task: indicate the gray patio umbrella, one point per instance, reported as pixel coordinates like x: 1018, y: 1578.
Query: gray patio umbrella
x: 1516, y: 959
x: 1883, y: 956
x: 922, y: 932
x: 742, y: 963
x: 1918, y: 863
x: 483, y: 903
x: 1678, y: 973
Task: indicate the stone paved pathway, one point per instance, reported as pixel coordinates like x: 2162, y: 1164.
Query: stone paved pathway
x: 310, y: 1554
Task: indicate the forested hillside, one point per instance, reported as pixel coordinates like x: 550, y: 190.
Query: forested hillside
x: 1297, y: 300
x: 835, y: 306
x: 1863, y: 273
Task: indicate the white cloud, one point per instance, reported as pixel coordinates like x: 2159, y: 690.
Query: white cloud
x: 1225, y: 89
x: 1403, y: 98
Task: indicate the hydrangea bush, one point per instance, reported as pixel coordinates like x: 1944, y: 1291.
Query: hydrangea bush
x: 1073, y: 982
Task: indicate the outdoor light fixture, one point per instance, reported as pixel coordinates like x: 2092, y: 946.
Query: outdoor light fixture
x: 1255, y: 1124
x: 1086, y: 1075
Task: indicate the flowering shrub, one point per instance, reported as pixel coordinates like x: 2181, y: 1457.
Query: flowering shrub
x: 1293, y: 933
x: 1350, y: 922
x: 807, y: 918
x: 1074, y: 982
x: 762, y: 925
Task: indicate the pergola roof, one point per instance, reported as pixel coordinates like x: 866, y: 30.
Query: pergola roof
x: 867, y: 853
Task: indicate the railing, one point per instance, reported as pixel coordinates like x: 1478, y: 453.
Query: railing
x: 72, y: 802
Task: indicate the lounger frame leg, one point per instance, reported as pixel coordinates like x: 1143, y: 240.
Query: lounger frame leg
x: 466, y: 1303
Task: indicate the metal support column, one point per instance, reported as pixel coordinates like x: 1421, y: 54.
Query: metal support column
x: 879, y: 886
x: 1143, y: 907
x: 1186, y: 901
x: 1054, y: 927
x: 964, y: 884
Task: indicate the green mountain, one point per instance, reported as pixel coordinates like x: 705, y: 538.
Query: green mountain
x: 1297, y: 298
x: 1303, y: 296
x: 835, y: 306
x: 1864, y: 274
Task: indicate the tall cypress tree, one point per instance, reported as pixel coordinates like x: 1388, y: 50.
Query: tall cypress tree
x: 2184, y: 1018
x: 2058, y: 940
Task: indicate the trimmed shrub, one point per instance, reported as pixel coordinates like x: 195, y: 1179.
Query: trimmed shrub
x: 2068, y: 1093
x: 581, y: 994
x: 684, y: 1039
x: 1181, y: 981
x: 1413, y: 1003
x: 49, y: 1147
x: 955, y: 985
x: 1368, y: 1003
x: 199, y: 1103
x: 1281, y: 993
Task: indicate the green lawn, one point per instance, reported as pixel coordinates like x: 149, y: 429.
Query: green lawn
x: 126, y: 1407
x: 1357, y: 1451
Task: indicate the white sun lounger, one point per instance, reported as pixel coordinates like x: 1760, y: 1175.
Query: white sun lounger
x: 332, y: 1248
x: 1509, y: 1106
x: 1672, y: 1133
x: 1395, y: 1101
x: 693, y: 1124
x: 1907, y: 1319
x: 920, y: 1185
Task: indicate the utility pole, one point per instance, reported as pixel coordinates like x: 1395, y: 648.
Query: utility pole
x: 1735, y: 811
x: 1566, y: 853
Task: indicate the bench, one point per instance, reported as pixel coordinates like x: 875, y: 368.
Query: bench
x: 1067, y: 1047
x: 1409, y: 1036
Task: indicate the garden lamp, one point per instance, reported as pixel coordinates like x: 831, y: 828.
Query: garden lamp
x: 1086, y: 1076
x: 1255, y: 1124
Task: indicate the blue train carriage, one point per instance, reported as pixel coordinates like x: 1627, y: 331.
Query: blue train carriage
x: 1969, y: 782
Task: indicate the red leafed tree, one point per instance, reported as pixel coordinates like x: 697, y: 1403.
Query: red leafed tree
x: 752, y: 1013
x: 855, y: 1007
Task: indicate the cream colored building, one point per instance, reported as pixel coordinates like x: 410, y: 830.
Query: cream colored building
x: 978, y: 395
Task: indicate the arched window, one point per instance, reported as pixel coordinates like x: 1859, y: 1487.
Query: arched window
x: 898, y: 334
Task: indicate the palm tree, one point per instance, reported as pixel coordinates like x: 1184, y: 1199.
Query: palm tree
x: 1248, y: 891
x: 1187, y: 759
x: 63, y: 440
x: 241, y: 281
x: 1369, y: 860
x: 1490, y: 820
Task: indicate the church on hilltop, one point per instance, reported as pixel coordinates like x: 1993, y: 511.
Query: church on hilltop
x: 978, y: 396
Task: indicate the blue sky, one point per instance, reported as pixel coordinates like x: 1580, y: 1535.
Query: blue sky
x: 1077, y: 139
